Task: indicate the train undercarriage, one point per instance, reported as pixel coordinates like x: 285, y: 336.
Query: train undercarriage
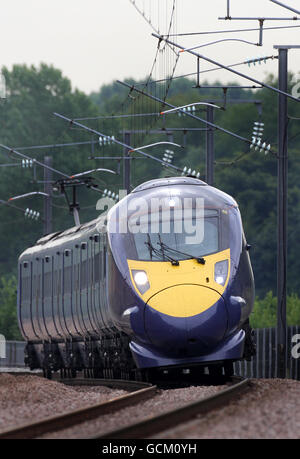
x: 111, y: 358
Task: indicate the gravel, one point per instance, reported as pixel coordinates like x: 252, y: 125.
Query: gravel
x: 28, y: 398
x: 164, y: 401
x: 270, y: 410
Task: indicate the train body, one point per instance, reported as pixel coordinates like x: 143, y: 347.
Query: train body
x: 141, y: 290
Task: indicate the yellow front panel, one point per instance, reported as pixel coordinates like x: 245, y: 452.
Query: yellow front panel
x: 187, y: 300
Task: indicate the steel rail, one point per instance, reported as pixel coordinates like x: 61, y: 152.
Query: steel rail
x: 142, y: 391
x: 169, y: 419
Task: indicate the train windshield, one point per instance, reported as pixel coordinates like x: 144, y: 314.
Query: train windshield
x: 176, y: 237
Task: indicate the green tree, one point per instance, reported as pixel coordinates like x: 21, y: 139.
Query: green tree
x: 8, y: 308
x: 26, y: 118
x: 265, y: 311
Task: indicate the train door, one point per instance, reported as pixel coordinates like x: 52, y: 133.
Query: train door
x: 68, y: 287
x: 97, y: 280
x: 102, y: 282
x: 57, y: 295
x: 37, y: 302
x: 25, y: 312
x: 20, y: 299
x: 91, y: 275
x: 48, y: 298
x: 104, y: 290
x: 76, y: 303
x: 84, y: 288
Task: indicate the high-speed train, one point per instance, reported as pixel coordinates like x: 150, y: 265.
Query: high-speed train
x: 164, y: 283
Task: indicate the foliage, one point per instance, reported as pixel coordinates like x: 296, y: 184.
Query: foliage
x: 8, y: 309
x: 265, y: 311
x: 26, y: 118
x: 249, y: 176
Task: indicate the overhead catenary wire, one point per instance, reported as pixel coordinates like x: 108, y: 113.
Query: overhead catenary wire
x: 26, y: 195
x: 118, y: 142
x: 224, y: 67
x: 35, y: 161
x: 56, y: 145
x: 202, y: 45
x: 213, y: 125
x: 11, y: 165
x: 209, y: 70
x: 20, y: 209
x: 285, y: 6
x: 129, y: 115
x: 259, y: 18
x: 212, y: 32
x: 165, y: 63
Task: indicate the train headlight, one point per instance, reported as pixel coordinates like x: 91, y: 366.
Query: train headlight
x: 221, y: 272
x: 141, y: 281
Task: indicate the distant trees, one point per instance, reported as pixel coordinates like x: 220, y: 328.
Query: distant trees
x: 265, y: 311
x: 26, y: 118
x: 8, y: 309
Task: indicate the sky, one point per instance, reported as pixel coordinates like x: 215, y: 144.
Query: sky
x: 97, y: 41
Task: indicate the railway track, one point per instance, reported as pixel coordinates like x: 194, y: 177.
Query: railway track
x: 139, y: 391
x: 152, y: 425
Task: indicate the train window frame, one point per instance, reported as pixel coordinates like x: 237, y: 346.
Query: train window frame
x: 216, y: 215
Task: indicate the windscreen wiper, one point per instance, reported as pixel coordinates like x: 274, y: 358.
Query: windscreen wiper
x: 172, y: 260
x: 159, y: 253
x: 165, y: 247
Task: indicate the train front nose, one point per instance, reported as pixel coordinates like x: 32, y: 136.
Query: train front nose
x: 186, y: 318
